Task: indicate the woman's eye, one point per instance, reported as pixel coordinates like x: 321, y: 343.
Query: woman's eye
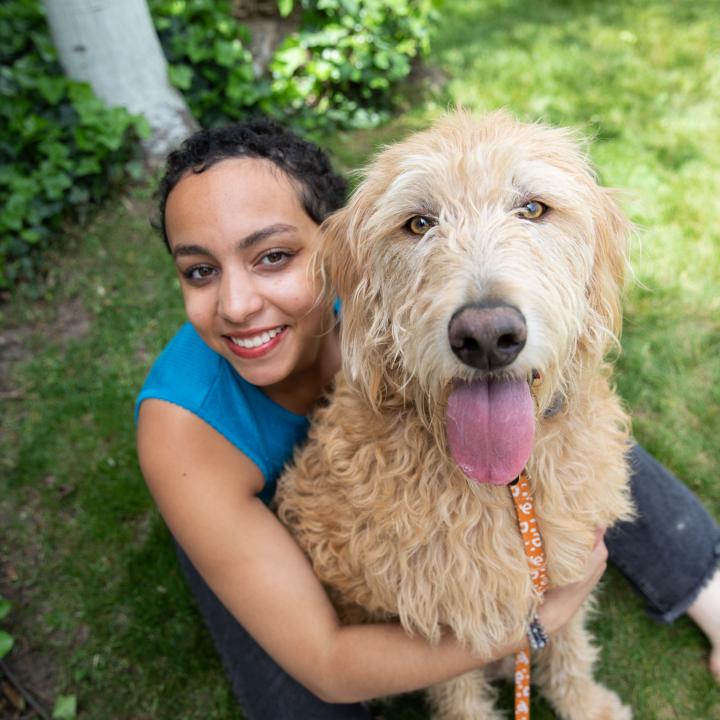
x: 275, y: 257
x: 532, y: 210
x: 198, y: 273
x: 420, y: 224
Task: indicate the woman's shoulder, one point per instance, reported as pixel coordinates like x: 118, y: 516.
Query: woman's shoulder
x: 184, y: 373
x: 174, y: 444
x: 200, y: 397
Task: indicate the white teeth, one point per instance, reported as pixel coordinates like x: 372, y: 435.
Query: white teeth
x: 258, y: 340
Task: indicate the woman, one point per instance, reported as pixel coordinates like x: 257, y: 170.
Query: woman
x: 224, y: 404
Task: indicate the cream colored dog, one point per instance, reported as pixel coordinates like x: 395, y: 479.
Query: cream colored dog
x: 472, y: 257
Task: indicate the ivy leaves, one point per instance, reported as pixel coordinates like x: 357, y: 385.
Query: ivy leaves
x: 60, y: 146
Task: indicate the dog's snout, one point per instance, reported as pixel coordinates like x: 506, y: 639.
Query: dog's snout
x: 487, y: 336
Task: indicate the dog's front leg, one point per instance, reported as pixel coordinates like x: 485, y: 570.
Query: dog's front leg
x: 468, y: 697
x: 564, y: 673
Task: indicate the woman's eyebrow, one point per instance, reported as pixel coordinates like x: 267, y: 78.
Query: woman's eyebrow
x: 246, y: 242
x: 264, y: 233
x: 181, y: 250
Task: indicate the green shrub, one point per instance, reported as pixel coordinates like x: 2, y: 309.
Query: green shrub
x: 337, y: 70
x: 208, y: 57
x: 340, y: 68
x: 61, y: 148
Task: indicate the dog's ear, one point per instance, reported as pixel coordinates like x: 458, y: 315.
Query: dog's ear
x: 346, y: 256
x: 337, y: 256
x: 612, y: 232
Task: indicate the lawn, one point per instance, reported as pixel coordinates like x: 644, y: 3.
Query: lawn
x: 100, y: 610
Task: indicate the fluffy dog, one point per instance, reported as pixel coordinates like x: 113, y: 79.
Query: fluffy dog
x: 473, y: 257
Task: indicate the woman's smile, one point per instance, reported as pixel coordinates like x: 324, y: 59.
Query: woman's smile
x: 256, y: 343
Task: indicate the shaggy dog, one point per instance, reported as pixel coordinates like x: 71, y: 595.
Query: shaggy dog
x: 473, y: 257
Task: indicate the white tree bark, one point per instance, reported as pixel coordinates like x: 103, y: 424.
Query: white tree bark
x: 112, y: 45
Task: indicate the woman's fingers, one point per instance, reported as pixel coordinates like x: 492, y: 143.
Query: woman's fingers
x: 599, y: 535
x: 599, y: 553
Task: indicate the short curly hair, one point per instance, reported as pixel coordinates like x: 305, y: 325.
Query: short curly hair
x: 320, y: 189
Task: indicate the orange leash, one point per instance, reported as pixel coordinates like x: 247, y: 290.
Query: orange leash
x: 533, y: 545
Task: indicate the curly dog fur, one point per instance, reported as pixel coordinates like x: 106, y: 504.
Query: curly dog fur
x: 393, y: 528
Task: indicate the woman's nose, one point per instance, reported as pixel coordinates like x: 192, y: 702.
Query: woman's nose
x: 238, y: 299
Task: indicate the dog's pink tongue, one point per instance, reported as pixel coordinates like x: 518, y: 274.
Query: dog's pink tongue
x: 490, y: 428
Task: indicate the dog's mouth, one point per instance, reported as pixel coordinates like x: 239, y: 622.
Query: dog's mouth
x: 490, y: 427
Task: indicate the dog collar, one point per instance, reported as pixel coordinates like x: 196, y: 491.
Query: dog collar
x: 557, y: 404
x: 558, y: 399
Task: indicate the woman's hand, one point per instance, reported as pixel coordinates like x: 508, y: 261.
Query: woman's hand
x: 561, y: 604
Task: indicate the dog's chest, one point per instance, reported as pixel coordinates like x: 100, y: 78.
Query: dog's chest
x: 457, y: 563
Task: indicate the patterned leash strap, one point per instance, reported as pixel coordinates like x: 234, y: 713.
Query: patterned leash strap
x: 533, y: 545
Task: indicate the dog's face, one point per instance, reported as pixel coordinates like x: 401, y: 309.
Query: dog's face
x: 479, y: 248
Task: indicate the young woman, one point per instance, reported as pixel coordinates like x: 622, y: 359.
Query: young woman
x: 227, y: 400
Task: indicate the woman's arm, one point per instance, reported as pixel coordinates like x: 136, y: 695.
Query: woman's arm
x: 205, y: 489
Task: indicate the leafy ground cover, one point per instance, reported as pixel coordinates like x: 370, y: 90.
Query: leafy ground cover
x: 99, y: 608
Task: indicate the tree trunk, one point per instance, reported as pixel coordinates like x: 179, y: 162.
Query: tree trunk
x: 112, y: 45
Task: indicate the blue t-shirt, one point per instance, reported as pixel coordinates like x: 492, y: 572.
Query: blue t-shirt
x: 189, y: 374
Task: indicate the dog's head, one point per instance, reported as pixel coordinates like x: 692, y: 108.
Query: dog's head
x: 478, y: 248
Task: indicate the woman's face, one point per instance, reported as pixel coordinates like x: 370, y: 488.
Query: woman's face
x: 241, y: 242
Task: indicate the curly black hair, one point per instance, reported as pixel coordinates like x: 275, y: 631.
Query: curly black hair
x: 320, y: 189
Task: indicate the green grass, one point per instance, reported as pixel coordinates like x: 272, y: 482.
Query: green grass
x: 99, y: 599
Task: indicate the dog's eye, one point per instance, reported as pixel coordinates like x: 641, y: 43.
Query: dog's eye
x: 419, y: 224
x: 532, y: 210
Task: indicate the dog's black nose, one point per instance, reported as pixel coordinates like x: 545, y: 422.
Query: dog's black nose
x: 487, y: 336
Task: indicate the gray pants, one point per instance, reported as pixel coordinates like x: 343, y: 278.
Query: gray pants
x: 671, y: 524
x: 672, y: 549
